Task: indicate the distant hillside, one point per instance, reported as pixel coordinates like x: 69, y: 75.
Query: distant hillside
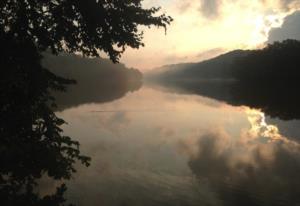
x: 211, y: 78
x: 216, y: 68
x: 266, y: 79
x: 98, y: 80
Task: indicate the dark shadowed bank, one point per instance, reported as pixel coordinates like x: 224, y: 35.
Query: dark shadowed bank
x: 98, y: 80
x: 266, y: 79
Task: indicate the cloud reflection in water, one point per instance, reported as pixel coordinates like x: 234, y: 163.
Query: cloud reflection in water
x: 192, y: 151
x: 261, y: 167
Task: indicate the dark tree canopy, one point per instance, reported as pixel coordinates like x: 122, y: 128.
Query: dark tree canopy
x: 85, y: 26
x: 276, y: 62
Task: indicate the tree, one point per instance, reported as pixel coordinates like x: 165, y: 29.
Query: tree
x: 32, y: 144
x: 85, y: 26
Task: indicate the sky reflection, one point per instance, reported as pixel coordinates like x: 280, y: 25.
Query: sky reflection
x: 174, y: 149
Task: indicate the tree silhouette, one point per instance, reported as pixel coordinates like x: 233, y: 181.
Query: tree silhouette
x: 32, y: 144
x: 80, y: 26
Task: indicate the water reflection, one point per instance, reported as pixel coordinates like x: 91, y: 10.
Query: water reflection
x: 276, y: 100
x: 98, y: 80
x: 287, y: 128
x: 260, y: 168
x: 158, y: 148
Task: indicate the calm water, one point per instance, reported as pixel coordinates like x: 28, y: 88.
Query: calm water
x: 157, y: 148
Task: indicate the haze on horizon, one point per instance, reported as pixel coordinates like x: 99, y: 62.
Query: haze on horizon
x: 203, y: 29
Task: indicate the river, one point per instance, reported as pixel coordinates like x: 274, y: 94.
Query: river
x: 153, y: 147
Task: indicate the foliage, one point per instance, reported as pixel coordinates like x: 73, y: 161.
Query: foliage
x: 276, y: 62
x: 84, y: 26
x: 32, y: 144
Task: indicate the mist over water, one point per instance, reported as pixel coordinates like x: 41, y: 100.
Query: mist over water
x: 153, y: 147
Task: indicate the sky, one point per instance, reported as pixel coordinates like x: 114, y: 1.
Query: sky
x: 203, y: 29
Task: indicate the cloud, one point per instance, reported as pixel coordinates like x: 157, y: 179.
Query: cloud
x: 184, y: 6
x: 210, y: 8
x: 289, y: 129
x: 289, y: 30
x: 288, y: 5
x: 175, y: 58
x: 210, y: 53
x: 115, y: 121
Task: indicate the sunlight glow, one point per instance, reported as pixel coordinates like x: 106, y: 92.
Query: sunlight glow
x: 238, y: 25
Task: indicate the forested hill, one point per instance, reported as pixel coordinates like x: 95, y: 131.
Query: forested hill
x: 267, y: 79
x: 98, y: 80
x: 219, y: 67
